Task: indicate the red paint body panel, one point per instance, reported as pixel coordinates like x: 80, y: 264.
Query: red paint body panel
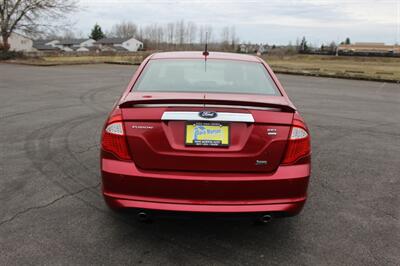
x: 163, y: 142
x: 164, y: 174
x: 173, y: 97
x: 124, y: 185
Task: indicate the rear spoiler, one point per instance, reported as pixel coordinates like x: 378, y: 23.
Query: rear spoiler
x: 281, y: 105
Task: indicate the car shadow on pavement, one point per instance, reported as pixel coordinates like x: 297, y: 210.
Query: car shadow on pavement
x: 223, y: 240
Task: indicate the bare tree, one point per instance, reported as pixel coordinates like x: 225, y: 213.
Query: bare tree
x: 159, y: 35
x: 170, y: 32
x: 297, y: 44
x: 191, y: 30
x: 153, y: 36
x: 225, y: 34
x: 202, y: 34
x: 124, y: 30
x: 210, y: 31
x: 177, y: 35
x: 68, y: 35
x: 333, y: 47
x: 180, y: 32
x: 234, y: 39
x: 29, y: 15
x: 140, y: 33
x: 225, y: 38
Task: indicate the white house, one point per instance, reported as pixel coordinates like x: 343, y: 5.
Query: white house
x: 87, y: 49
x: 53, y: 43
x: 244, y: 48
x: 120, y: 44
x: 71, y: 45
x: 254, y: 48
x: 19, y: 43
x: 45, y: 45
x: 82, y: 49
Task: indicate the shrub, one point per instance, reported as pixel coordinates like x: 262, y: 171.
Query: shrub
x: 8, y: 55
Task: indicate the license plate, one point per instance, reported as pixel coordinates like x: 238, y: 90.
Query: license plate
x: 207, y: 134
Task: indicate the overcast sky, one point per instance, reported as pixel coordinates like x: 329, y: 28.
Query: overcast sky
x: 269, y: 21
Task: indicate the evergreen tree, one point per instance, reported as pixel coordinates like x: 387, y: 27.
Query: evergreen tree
x: 347, y: 41
x: 303, y: 45
x: 97, y: 33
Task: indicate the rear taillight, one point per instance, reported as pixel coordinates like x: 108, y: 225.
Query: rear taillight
x: 298, y: 145
x: 113, y: 138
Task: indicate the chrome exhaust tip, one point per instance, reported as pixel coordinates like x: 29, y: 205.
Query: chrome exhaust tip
x: 143, y: 216
x: 266, y: 218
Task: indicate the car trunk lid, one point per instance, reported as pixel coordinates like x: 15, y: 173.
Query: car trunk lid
x: 156, y: 128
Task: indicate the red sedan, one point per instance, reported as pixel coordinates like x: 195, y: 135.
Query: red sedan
x: 209, y: 133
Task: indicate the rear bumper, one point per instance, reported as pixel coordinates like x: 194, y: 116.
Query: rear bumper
x: 125, y: 186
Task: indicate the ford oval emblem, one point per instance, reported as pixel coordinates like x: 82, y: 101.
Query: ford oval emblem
x: 208, y: 114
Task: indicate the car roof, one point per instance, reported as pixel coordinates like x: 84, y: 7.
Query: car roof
x: 199, y: 55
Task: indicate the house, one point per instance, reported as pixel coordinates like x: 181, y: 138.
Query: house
x: 119, y: 44
x: 243, y: 48
x: 70, y: 45
x: 45, y: 45
x: 263, y: 48
x: 87, y: 49
x: 254, y: 48
x: 120, y: 49
x: 19, y: 43
x: 52, y: 42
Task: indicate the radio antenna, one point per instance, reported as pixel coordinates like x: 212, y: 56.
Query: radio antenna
x: 206, y: 53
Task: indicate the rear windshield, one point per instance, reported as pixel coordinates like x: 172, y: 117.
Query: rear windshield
x: 195, y: 75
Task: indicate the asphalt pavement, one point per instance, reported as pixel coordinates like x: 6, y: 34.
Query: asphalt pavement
x: 52, y: 212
